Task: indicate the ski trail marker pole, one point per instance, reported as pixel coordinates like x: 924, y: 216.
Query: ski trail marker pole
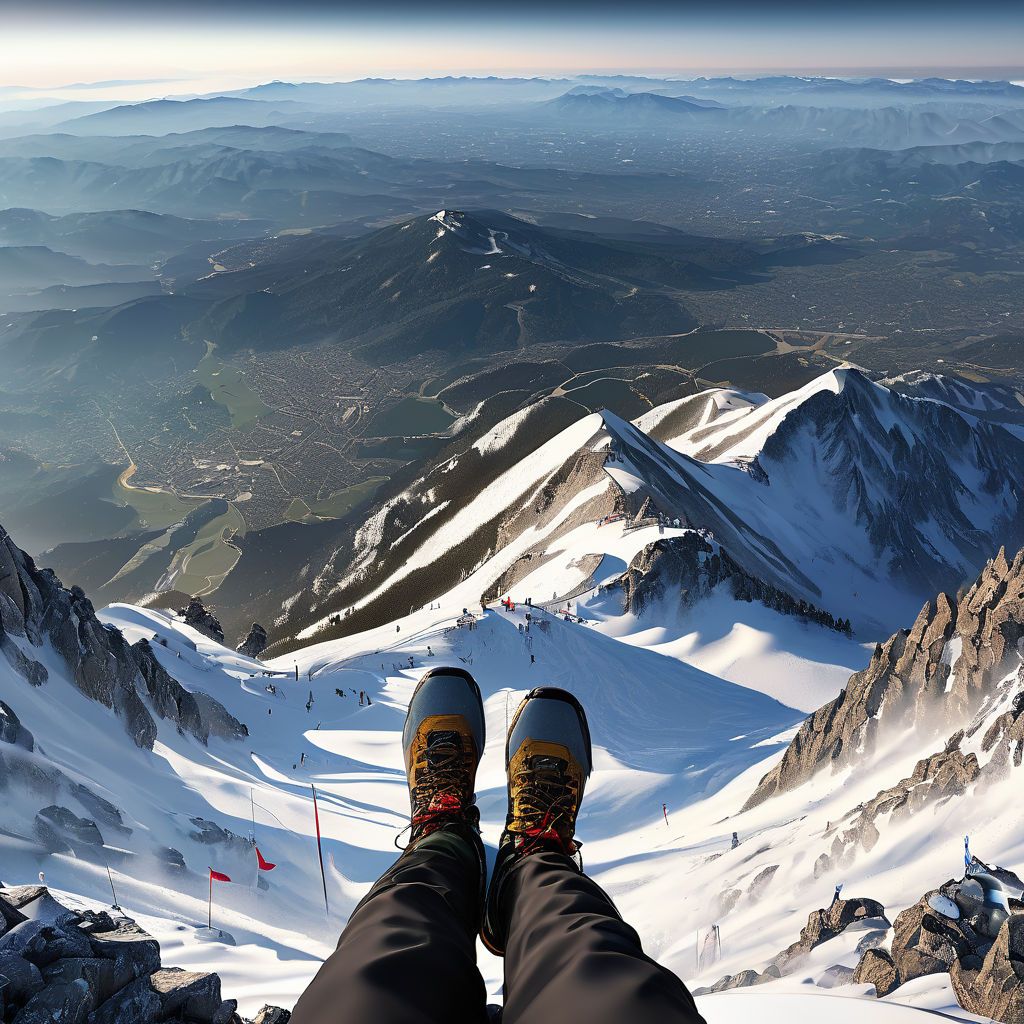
x: 319, y: 849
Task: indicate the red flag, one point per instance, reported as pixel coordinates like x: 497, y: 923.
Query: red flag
x: 217, y: 876
x: 265, y: 865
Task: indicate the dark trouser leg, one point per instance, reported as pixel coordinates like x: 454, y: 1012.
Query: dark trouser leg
x: 408, y: 952
x: 570, y: 957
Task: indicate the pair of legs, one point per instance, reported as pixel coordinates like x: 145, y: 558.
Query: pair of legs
x: 408, y: 953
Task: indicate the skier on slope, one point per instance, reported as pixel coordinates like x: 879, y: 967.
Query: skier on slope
x: 408, y: 951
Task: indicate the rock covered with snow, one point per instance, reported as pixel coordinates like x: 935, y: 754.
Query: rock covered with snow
x: 35, y: 609
x: 933, y: 676
x: 87, y: 966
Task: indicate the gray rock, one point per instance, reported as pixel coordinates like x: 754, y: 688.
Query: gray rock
x: 103, y: 977
x: 131, y: 948
x: 136, y: 1003
x: 272, y: 1015
x: 225, y: 1013
x: 202, y: 619
x: 32, y: 671
x: 23, y: 979
x: 11, y: 729
x: 189, y: 994
x: 102, y: 810
x: 835, y: 976
x: 255, y: 642
x: 79, y: 831
x: 68, y: 1003
x: 171, y: 858
x: 10, y: 915
x: 41, y: 943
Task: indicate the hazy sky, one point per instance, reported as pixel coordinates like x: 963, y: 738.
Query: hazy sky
x: 211, y: 45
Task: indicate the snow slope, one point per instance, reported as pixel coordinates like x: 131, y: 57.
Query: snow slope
x: 688, y: 707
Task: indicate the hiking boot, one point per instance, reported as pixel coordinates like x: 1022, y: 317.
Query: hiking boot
x: 548, y: 760
x: 443, y: 742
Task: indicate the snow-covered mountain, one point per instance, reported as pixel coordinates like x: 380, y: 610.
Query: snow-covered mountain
x: 858, y: 498
x: 131, y: 741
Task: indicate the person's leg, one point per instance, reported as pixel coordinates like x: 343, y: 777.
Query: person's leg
x: 570, y: 956
x: 408, y: 953
x: 568, y: 953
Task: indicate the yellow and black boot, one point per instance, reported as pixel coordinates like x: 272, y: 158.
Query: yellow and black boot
x: 548, y: 760
x: 443, y: 742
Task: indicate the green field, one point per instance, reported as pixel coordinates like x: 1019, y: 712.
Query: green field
x: 335, y: 505
x: 155, y: 508
x: 203, y: 564
x: 227, y: 387
x: 411, y: 416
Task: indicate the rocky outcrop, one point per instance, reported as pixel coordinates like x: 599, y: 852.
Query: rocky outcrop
x: 907, y: 682
x: 36, y: 608
x: 939, y: 777
x: 822, y: 925
x: 687, y: 568
x: 200, y: 618
x: 255, y: 642
x: 994, y: 988
x: 89, y: 968
x: 11, y: 729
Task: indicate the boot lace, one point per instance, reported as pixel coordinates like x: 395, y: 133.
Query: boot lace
x: 546, y: 806
x: 439, y: 795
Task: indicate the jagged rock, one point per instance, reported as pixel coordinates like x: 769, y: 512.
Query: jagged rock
x: 823, y: 865
x: 167, y: 696
x: 64, y: 1003
x: 905, y: 683
x: 226, y: 1012
x: 11, y: 729
x: 877, y: 968
x: 132, y: 949
x: 823, y: 925
x: 67, y: 824
x: 272, y: 1015
x: 102, y: 976
x: 217, y: 720
x: 255, y: 642
x: 211, y: 833
x: 171, y: 858
x: 41, y: 943
x: 22, y: 978
x: 99, y: 808
x: 689, y: 567
x: 190, y: 994
x: 994, y: 988
x: 94, y: 921
x: 10, y: 915
x: 200, y: 618
x: 32, y: 671
x: 136, y: 1003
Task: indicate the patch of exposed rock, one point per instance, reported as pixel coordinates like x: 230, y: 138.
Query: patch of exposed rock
x: 35, y: 608
x: 200, y: 618
x: 90, y: 968
x: 255, y: 642
x: 688, y: 567
x: 906, y: 682
x: 822, y: 925
x: 935, y: 779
